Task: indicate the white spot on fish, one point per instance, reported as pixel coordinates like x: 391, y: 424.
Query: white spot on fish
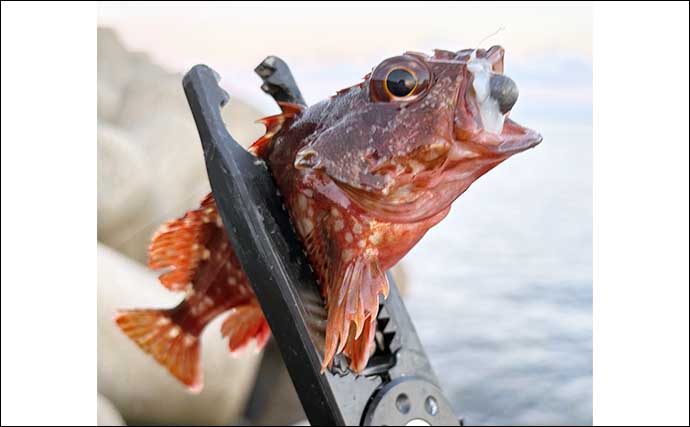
x: 375, y: 237
x: 347, y: 255
x: 174, y: 332
x: 301, y: 202
x: 348, y: 237
x: 338, y: 225
x: 307, y: 225
x: 416, y: 166
x: 372, y: 251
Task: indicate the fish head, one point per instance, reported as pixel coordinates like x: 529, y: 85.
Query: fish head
x: 417, y: 132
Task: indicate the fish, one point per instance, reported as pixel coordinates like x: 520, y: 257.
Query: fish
x: 364, y: 175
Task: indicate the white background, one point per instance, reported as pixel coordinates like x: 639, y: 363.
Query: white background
x: 640, y: 214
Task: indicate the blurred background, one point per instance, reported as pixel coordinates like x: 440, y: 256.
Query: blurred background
x: 500, y: 291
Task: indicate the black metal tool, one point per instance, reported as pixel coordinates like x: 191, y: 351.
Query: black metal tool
x: 398, y: 386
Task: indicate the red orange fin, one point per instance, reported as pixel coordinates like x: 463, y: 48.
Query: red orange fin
x: 360, y: 348
x: 244, y: 324
x: 175, y: 349
x: 353, y: 303
x: 179, y: 245
x: 273, y: 125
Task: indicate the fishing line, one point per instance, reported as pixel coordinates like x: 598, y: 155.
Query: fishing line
x: 501, y: 28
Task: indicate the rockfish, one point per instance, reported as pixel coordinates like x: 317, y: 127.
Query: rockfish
x: 363, y: 175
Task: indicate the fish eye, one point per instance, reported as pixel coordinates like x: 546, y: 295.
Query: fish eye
x: 400, y: 82
x: 399, y: 79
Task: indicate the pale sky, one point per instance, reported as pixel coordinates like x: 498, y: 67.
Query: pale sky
x: 548, y: 45
x: 178, y: 34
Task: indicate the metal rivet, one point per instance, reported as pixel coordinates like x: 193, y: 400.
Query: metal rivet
x: 402, y: 402
x: 431, y: 405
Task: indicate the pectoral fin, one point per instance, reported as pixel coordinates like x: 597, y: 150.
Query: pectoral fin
x: 353, y: 304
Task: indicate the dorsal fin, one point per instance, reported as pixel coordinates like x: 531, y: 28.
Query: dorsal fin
x: 349, y: 88
x: 273, y: 125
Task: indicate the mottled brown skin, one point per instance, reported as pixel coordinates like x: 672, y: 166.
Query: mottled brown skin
x: 364, y: 175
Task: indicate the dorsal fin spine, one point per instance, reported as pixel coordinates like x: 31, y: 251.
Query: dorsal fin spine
x: 273, y: 125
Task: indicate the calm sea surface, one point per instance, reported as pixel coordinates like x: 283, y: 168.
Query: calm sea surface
x: 501, y: 290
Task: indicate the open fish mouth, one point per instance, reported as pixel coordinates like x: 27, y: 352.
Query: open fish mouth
x: 482, y: 113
